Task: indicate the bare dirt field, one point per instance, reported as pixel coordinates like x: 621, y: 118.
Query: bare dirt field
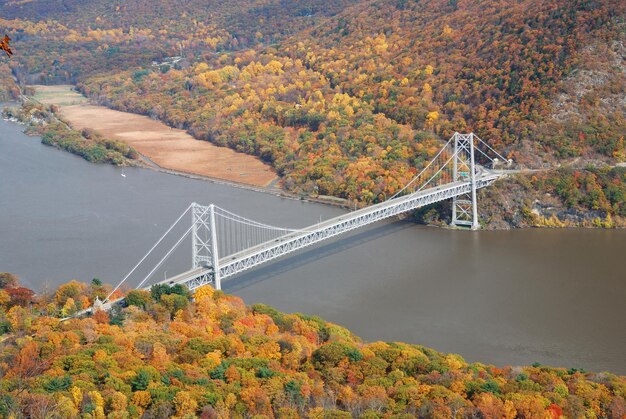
x: 169, y: 148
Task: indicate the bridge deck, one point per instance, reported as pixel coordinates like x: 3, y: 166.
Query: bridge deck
x: 264, y: 252
x: 185, y: 276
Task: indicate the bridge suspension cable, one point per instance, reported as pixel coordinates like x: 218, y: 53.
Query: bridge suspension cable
x: 242, y: 220
x: 440, y: 169
x: 167, y: 255
x: 148, y: 253
x: 236, y: 233
x: 222, y: 237
x: 437, y: 164
x: 490, y: 148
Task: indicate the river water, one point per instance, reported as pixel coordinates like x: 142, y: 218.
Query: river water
x: 501, y: 297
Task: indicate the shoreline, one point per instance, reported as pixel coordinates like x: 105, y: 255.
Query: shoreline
x: 270, y: 190
x: 145, y: 162
x: 226, y: 162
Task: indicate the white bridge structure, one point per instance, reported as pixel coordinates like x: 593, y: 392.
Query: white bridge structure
x: 225, y: 244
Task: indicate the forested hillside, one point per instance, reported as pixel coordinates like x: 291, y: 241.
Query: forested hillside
x: 166, y: 355
x: 69, y: 40
x: 351, y: 98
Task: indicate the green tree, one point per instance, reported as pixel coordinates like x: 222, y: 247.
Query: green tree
x: 139, y: 298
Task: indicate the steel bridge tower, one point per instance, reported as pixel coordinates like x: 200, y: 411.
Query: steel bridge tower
x: 245, y: 243
x: 204, y: 241
x: 464, y: 207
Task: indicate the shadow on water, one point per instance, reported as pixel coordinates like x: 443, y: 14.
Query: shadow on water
x: 312, y: 255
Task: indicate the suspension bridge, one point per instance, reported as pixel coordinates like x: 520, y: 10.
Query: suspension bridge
x: 225, y: 243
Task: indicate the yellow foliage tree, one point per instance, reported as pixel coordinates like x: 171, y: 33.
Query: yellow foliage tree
x: 77, y: 396
x: 66, y: 408
x: 275, y: 67
x: 431, y: 118
x: 98, y: 403
x: 4, y: 298
x: 201, y: 68
x: 141, y: 398
x: 185, y: 403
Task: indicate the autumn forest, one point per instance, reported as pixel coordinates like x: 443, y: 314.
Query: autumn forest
x: 165, y: 354
x: 348, y: 99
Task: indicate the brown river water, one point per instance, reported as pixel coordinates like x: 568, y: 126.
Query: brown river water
x: 557, y: 297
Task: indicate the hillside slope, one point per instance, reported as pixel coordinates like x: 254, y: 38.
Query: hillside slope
x: 167, y: 356
x: 493, y: 67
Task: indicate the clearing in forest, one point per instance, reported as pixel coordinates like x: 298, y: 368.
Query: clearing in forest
x: 60, y: 95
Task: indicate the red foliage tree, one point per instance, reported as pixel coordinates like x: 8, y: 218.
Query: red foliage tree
x: 20, y: 296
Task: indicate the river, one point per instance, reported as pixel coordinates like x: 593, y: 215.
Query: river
x: 501, y: 297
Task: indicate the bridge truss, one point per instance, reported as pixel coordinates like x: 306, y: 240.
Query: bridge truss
x: 225, y: 244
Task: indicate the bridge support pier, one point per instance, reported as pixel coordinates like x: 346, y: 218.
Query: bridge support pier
x: 204, y: 240
x: 464, y: 207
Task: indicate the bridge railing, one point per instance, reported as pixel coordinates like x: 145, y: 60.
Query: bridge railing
x: 225, y: 243
x: 264, y: 252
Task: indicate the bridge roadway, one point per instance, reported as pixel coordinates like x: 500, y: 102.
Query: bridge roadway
x: 264, y: 252
x: 238, y: 262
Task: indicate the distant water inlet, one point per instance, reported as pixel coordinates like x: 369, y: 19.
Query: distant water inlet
x: 501, y: 297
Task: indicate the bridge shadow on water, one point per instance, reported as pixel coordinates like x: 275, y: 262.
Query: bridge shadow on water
x: 312, y: 254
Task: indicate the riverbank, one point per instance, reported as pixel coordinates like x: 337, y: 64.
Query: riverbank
x: 544, y: 199
x: 168, y: 148
x: 41, y: 121
x: 140, y: 160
